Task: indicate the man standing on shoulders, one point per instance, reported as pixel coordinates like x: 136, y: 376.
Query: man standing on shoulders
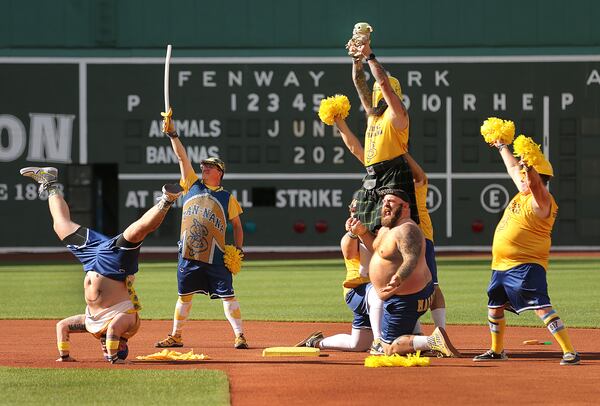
x: 520, y: 254
x: 386, y: 137
x: 206, y: 209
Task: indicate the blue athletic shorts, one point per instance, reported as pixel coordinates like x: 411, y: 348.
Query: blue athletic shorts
x: 400, y: 313
x: 100, y: 254
x: 430, y: 258
x: 356, y: 299
x: 200, y: 277
x: 521, y: 288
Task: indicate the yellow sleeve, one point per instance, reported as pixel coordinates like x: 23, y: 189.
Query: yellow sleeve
x: 234, y: 207
x: 187, y: 183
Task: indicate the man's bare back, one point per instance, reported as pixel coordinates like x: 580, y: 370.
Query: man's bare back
x: 398, y: 265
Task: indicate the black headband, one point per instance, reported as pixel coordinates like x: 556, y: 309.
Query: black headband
x: 391, y: 190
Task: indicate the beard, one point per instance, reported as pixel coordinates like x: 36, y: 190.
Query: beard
x: 391, y: 219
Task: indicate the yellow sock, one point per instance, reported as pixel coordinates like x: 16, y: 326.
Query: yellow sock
x: 497, y: 327
x: 556, y: 326
x: 112, y: 346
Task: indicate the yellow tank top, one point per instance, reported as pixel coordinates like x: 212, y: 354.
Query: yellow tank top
x: 425, y: 224
x: 521, y: 236
x: 382, y: 141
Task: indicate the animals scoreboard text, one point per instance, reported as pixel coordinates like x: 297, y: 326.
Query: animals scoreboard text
x: 291, y: 172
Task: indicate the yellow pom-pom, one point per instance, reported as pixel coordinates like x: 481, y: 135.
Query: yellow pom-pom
x: 495, y: 129
x: 529, y: 152
x: 233, y: 259
x: 166, y: 355
x: 411, y: 360
x: 332, y: 107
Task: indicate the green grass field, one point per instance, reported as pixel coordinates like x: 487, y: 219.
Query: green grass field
x: 296, y: 290
x: 112, y: 386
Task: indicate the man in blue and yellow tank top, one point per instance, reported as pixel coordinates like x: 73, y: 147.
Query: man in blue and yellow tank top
x: 520, y: 254
x: 386, y: 137
x: 207, y: 208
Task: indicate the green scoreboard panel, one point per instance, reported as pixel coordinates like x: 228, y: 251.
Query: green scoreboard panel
x: 291, y: 173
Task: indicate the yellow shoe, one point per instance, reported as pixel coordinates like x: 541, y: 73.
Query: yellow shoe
x: 240, y: 342
x: 440, y: 343
x: 170, y: 341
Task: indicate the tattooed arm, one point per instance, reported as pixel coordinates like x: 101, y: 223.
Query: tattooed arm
x: 393, y: 101
x: 73, y: 324
x: 409, y: 240
x: 360, y: 82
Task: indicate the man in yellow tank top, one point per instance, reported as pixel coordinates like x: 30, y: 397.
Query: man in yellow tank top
x: 520, y: 254
x: 386, y: 137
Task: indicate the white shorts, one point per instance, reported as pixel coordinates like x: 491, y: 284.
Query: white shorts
x: 98, y: 323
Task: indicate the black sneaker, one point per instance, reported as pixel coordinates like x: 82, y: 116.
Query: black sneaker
x: 312, y: 340
x: 570, y: 358
x: 490, y: 355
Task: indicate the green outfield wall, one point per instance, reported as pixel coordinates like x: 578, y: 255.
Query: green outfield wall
x: 81, y: 87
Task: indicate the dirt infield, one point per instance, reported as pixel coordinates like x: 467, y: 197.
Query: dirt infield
x: 531, y: 375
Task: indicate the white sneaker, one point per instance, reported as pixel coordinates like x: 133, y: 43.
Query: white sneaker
x: 171, y: 192
x: 44, y: 176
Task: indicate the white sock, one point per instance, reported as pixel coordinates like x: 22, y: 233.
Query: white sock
x: 439, y: 317
x: 375, y: 312
x: 359, y: 340
x: 233, y: 314
x: 182, y: 311
x: 420, y: 343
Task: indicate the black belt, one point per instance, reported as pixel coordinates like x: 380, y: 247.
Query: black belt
x: 383, y: 166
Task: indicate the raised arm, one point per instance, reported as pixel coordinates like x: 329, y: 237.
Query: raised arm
x: 399, y: 112
x: 542, y: 202
x: 360, y: 83
x: 511, y: 163
x: 185, y: 166
x: 418, y: 173
x: 409, y: 240
x: 351, y: 141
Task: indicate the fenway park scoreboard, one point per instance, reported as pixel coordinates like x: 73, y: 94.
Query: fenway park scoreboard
x: 98, y: 121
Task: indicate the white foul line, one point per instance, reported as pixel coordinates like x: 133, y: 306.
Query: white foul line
x: 83, y: 113
x: 449, y: 167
